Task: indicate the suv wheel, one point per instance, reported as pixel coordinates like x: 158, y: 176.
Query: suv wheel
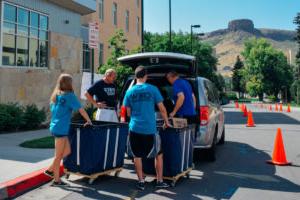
x: 222, y: 140
x: 211, y: 152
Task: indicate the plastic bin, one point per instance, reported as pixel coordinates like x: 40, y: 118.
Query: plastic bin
x: 177, y: 147
x: 97, y: 148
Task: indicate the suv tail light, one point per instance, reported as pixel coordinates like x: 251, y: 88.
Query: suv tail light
x: 204, y: 115
x: 123, y: 114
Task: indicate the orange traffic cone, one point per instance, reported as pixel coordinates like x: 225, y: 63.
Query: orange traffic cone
x: 270, y: 108
x: 245, y: 112
x: 289, y: 108
x: 242, y: 107
x: 276, y: 107
x: 250, y: 121
x: 236, y: 104
x: 278, y: 157
x: 280, y: 107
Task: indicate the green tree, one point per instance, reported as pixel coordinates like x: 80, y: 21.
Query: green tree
x: 266, y: 69
x: 118, y: 49
x: 237, y: 76
x: 295, y: 90
x: 181, y: 43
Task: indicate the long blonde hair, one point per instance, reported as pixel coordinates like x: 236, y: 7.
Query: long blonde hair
x: 64, y: 84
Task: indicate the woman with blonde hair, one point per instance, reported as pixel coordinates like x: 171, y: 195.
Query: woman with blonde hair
x: 62, y: 103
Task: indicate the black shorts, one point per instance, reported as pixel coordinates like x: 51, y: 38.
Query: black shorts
x: 141, y: 144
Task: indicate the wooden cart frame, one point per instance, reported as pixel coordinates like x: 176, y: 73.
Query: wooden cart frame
x: 174, y: 179
x: 93, y: 177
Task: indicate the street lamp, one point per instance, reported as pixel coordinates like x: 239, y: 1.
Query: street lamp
x: 170, y: 26
x: 193, y: 26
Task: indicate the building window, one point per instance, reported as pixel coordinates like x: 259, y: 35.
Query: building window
x: 138, y: 25
x: 101, y: 54
x: 127, y: 20
x: 25, y: 37
x: 101, y: 10
x: 137, y: 3
x: 86, y: 58
x: 115, y: 14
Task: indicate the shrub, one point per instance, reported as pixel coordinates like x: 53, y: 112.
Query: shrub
x: 14, y: 117
x: 33, y: 117
x: 11, y: 117
x: 231, y: 95
x: 272, y: 98
x: 90, y: 111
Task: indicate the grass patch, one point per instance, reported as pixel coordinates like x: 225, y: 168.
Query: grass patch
x: 41, y: 143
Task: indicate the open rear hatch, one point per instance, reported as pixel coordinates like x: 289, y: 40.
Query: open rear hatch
x: 162, y: 62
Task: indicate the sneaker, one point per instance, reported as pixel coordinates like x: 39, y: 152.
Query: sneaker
x: 140, y: 185
x: 48, y: 173
x: 161, y: 184
x: 61, y: 183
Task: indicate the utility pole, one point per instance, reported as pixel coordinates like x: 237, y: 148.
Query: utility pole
x: 142, y: 13
x: 170, y: 26
x: 192, y: 37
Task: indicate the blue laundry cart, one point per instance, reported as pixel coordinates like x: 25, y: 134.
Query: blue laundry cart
x: 177, y: 148
x: 96, y: 150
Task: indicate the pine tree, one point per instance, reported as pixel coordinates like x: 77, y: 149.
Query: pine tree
x: 296, y: 84
x: 237, y: 76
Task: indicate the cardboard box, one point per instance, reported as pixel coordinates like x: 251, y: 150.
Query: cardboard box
x: 179, y: 123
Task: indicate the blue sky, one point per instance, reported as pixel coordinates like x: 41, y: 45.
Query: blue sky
x: 215, y: 14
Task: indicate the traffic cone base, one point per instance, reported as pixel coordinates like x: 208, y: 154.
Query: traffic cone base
x: 278, y: 163
x: 279, y: 157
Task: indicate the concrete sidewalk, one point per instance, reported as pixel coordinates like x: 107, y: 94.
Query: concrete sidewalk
x: 16, y: 161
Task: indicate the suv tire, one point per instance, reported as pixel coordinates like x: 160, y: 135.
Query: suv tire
x: 222, y: 140
x: 211, y: 152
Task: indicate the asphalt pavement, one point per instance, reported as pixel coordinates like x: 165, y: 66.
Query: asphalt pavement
x: 240, y: 171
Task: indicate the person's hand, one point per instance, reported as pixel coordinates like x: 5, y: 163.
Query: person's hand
x: 172, y: 114
x: 88, y: 123
x: 167, y: 125
x: 101, y: 104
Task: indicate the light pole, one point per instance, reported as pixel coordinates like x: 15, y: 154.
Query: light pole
x: 170, y: 26
x: 193, y: 26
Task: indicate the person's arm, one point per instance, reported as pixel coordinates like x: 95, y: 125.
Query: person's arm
x: 179, y: 103
x: 92, y: 101
x: 128, y: 110
x: 164, y: 113
x: 85, y: 116
x: 194, y: 100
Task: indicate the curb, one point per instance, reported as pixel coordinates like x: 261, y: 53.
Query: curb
x: 24, y: 183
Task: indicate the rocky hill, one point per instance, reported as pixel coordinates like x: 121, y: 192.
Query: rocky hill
x: 228, y: 43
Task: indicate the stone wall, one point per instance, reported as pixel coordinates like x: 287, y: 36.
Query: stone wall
x: 30, y: 85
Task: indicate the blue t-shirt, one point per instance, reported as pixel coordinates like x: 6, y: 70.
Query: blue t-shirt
x: 187, y: 108
x: 61, y: 112
x: 141, y: 99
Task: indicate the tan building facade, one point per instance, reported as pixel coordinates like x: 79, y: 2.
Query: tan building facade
x: 40, y: 39
x: 113, y: 15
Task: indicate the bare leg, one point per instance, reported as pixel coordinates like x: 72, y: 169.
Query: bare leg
x: 139, y: 168
x: 67, y: 149
x: 59, y: 150
x: 159, y: 167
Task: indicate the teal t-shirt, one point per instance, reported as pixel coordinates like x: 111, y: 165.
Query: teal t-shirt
x: 141, y: 99
x: 61, y: 112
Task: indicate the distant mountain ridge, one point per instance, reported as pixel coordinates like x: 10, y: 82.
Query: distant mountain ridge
x: 228, y: 43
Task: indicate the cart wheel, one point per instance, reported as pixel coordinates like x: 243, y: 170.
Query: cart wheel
x: 117, y: 174
x: 173, y: 183
x: 67, y: 176
x: 91, y: 181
